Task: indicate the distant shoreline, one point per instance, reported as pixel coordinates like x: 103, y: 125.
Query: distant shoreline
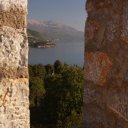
x: 52, y: 45
x: 42, y: 45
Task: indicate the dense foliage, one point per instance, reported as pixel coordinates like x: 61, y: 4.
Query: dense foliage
x: 56, y: 93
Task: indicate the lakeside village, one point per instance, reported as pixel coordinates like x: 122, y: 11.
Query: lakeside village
x: 40, y: 43
x: 44, y: 44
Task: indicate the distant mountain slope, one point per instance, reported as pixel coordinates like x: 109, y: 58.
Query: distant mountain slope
x: 56, y: 31
x: 37, y: 39
x: 36, y: 35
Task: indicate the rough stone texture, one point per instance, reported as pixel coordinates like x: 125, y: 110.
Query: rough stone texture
x: 14, y: 91
x: 106, y: 65
x: 13, y: 17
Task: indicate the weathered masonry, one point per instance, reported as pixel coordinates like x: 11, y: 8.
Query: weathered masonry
x: 106, y: 67
x: 14, y: 91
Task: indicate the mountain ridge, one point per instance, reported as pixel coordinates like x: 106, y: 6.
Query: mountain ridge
x: 56, y: 31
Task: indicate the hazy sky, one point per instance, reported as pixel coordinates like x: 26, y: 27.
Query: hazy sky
x: 70, y: 12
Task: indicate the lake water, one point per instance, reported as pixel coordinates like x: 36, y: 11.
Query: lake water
x: 70, y: 53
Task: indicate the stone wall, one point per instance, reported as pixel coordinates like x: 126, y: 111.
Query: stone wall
x: 14, y: 92
x: 106, y: 65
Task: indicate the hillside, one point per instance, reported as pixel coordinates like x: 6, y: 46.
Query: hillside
x: 56, y: 31
x: 38, y: 40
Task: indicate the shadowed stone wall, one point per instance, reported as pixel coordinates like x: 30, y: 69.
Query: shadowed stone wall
x: 14, y: 91
x: 106, y: 66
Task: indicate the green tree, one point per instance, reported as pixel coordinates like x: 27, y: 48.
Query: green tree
x: 49, y: 69
x: 63, y: 97
x: 36, y: 91
x: 74, y: 120
x: 56, y: 99
x: 31, y: 73
x: 71, y: 100
x: 58, y: 67
x: 53, y: 85
x: 39, y: 71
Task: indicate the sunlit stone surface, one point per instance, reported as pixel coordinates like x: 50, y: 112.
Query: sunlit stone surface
x: 14, y: 91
